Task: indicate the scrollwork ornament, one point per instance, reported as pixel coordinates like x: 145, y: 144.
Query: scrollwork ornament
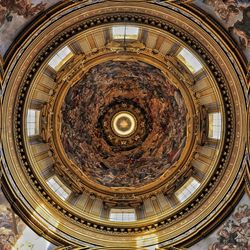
x: 72, y: 70
x: 134, y: 46
x: 203, y: 122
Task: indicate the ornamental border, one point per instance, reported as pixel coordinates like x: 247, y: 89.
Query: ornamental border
x: 166, y: 27
x: 56, y: 148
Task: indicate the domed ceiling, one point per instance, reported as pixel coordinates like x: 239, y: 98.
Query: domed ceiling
x: 124, y: 125
x: 140, y: 96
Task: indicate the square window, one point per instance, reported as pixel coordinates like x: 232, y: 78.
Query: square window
x: 214, y: 125
x: 187, y: 189
x: 122, y: 215
x: 125, y: 32
x: 191, y: 62
x: 60, y: 58
x: 33, y: 122
x: 58, y: 187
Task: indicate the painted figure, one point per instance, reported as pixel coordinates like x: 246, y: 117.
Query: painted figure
x: 147, y: 87
x: 242, y: 28
x: 235, y: 16
x: 235, y: 233
x: 19, y: 7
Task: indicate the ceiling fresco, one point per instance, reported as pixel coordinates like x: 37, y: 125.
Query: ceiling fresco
x: 114, y: 87
x: 15, y: 15
x: 124, y: 131
x: 234, y: 16
x: 233, y: 234
x: 14, y: 234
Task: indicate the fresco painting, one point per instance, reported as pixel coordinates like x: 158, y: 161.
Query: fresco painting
x: 14, y: 15
x: 234, y: 15
x: 141, y: 85
x: 233, y: 234
x: 15, y: 234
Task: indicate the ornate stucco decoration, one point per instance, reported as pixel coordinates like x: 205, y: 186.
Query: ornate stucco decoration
x: 167, y: 227
x: 73, y: 70
x: 203, y: 124
x: 134, y: 46
x: 46, y: 122
x: 179, y: 71
x: 66, y: 77
x: 191, y: 206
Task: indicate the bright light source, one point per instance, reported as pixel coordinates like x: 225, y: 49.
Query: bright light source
x: 58, y: 187
x: 60, y: 58
x: 122, y: 215
x: 187, y: 58
x: 33, y: 118
x: 187, y: 189
x: 214, y: 121
x: 125, y: 32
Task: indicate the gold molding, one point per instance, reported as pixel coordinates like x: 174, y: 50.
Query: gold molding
x: 101, y: 231
x: 222, y: 85
x: 65, y: 82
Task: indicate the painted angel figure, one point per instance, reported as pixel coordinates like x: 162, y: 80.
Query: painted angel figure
x: 23, y: 8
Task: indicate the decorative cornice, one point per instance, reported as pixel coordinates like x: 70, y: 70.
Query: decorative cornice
x: 115, y: 231
x: 66, y: 78
x: 173, y: 31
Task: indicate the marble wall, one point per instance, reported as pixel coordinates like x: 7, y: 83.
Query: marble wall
x: 233, y: 234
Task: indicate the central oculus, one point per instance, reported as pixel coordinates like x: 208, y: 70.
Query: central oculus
x: 124, y: 124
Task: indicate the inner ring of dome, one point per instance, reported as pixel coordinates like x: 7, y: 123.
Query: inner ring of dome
x: 124, y: 124
x: 154, y: 129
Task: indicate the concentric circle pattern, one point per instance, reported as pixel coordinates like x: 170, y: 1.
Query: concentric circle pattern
x: 124, y: 124
x: 118, y: 97
x: 133, y: 108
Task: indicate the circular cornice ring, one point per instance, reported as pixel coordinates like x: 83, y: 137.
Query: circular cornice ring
x: 124, y: 124
x: 184, y: 37
x: 180, y: 168
x: 230, y: 119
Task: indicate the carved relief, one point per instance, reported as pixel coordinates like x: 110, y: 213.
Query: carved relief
x: 134, y: 46
x: 72, y: 70
x: 178, y: 70
x: 70, y: 179
x: 46, y: 113
x: 203, y: 125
